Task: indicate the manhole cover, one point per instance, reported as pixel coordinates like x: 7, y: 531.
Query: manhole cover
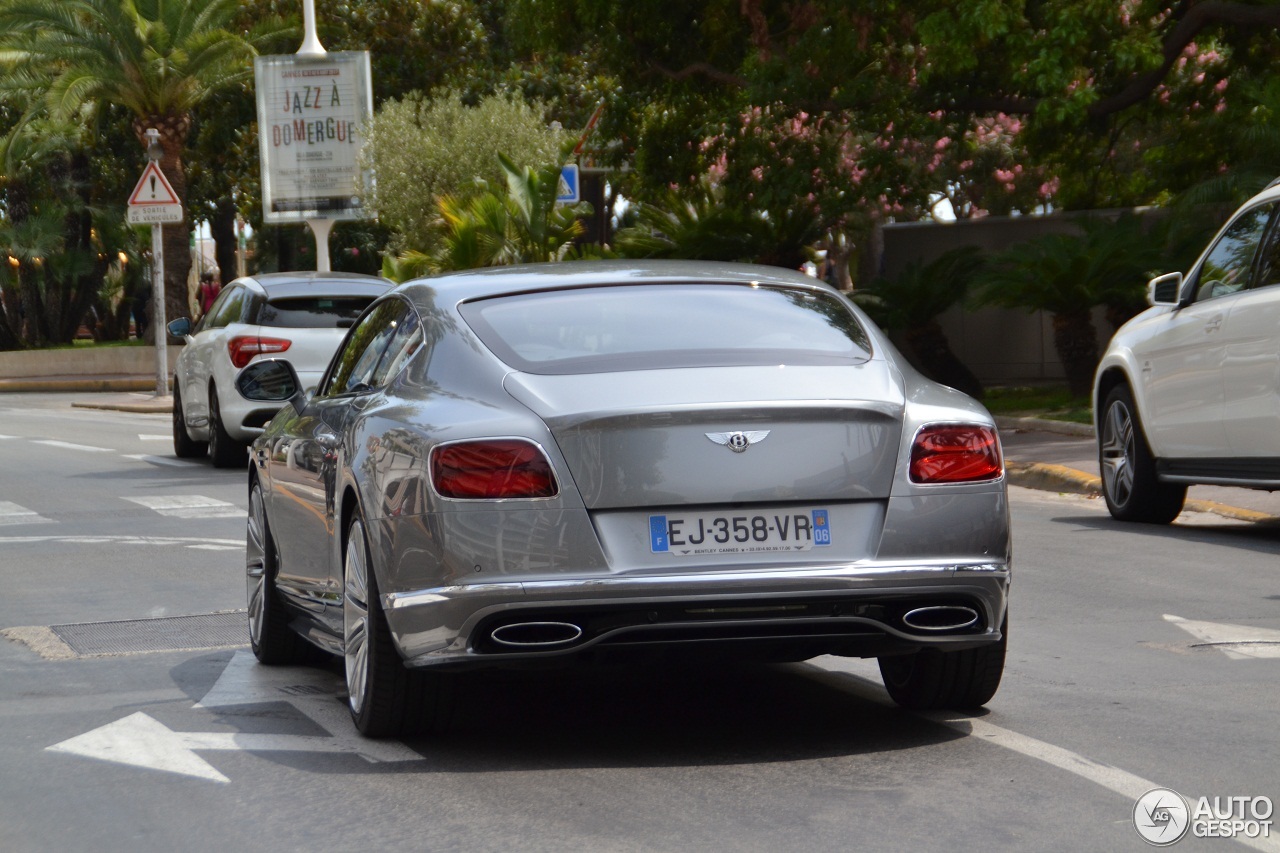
x: 171, y: 633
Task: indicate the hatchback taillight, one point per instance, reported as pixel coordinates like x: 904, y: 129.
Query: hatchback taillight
x: 955, y: 453
x: 243, y: 349
x: 492, y: 468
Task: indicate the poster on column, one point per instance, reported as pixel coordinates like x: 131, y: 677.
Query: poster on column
x: 312, y: 113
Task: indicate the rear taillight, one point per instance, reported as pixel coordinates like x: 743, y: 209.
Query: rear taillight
x: 955, y: 453
x: 493, y: 468
x: 243, y: 349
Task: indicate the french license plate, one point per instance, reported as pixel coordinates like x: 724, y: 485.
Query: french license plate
x: 694, y: 533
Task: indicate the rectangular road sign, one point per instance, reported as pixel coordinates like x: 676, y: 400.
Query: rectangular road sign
x: 567, y: 192
x: 154, y: 214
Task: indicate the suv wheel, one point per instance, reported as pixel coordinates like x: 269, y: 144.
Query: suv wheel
x: 1129, y: 483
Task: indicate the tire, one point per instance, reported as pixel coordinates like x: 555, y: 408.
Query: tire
x: 1129, y: 483
x: 225, y: 451
x: 931, y: 680
x: 184, y: 447
x: 385, y: 698
x: 269, y: 634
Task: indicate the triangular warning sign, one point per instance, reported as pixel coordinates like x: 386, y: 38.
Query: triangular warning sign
x: 153, y: 188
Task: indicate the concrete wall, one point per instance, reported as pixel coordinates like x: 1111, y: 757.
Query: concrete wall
x: 1000, y: 346
x: 83, y: 361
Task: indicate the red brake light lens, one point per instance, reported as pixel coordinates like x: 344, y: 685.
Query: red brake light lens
x: 243, y: 349
x: 956, y: 453
x: 490, y: 469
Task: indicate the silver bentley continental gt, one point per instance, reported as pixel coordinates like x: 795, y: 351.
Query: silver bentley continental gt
x: 623, y: 462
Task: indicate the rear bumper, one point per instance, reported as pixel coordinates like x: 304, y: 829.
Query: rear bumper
x: 854, y: 610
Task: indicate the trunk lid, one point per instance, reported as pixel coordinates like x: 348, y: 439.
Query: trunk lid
x: 665, y: 438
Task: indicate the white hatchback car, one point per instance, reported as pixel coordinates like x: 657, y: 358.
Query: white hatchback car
x: 297, y: 316
x: 1189, y: 390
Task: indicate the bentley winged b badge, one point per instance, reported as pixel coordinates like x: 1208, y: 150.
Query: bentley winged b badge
x: 739, y: 441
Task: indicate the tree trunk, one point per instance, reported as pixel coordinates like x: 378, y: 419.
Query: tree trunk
x: 936, y: 360
x: 223, y: 229
x: 1077, y: 345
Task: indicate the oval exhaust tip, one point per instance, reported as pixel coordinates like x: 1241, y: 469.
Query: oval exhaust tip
x: 524, y: 635
x: 940, y: 618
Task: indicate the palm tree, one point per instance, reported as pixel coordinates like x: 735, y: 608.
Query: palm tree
x: 911, y: 302
x: 159, y: 59
x: 1066, y: 275
x: 524, y: 225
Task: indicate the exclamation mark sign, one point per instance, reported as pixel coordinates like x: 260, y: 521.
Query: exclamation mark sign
x: 153, y: 186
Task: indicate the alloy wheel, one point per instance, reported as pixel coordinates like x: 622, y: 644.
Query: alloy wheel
x: 256, y: 564
x: 355, y: 618
x: 1118, y: 452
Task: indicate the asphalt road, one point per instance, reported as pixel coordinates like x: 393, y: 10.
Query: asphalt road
x: 112, y: 737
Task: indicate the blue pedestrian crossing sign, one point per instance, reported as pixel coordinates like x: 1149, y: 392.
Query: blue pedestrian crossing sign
x: 567, y: 191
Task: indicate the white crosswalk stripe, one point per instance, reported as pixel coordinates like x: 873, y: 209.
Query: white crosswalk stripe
x: 189, y: 506
x: 12, y: 513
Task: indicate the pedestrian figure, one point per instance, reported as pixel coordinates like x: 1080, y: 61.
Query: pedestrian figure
x: 210, y: 287
x: 141, y: 302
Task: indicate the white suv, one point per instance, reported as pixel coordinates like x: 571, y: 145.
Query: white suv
x: 1189, y: 390
x: 297, y: 316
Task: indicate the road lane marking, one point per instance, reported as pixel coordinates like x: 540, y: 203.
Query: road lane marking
x: 149, y: 437
x: 1112, y: 778
x: 12, y: 513
x: 163, y: 460
x: 189, y: 506
x: 163, y: 541
x: 66, y: 445
x: 1238, y: 642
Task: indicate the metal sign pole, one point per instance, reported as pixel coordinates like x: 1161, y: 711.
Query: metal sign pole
x: 158, y: 322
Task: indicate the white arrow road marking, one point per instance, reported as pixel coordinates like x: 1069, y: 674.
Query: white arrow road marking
x: 141, y: 741
x: 1235, y: 641
x: 189, y: 506
x: 313, y: 692
x: 66, y: 445
x: 11, y: 513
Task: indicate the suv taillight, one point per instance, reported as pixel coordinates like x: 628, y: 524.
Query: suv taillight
x: 955, y: 453
x: 492, y: 468
x: 243, y: 349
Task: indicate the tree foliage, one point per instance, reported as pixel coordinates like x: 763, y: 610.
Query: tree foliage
x: 425, y: 150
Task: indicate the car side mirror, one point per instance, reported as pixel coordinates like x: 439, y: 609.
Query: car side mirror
x: 272, y: 380
x: 1165, y: 289
x: 180, y: 327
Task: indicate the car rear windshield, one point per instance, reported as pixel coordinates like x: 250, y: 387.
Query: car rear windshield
x: 312, y: 312
x: 647, y: 327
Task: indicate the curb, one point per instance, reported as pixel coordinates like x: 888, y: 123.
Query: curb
x: 1059, y: 478
x: 1045, y: 425
x: 87, y: 384
x: 153, y: 406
